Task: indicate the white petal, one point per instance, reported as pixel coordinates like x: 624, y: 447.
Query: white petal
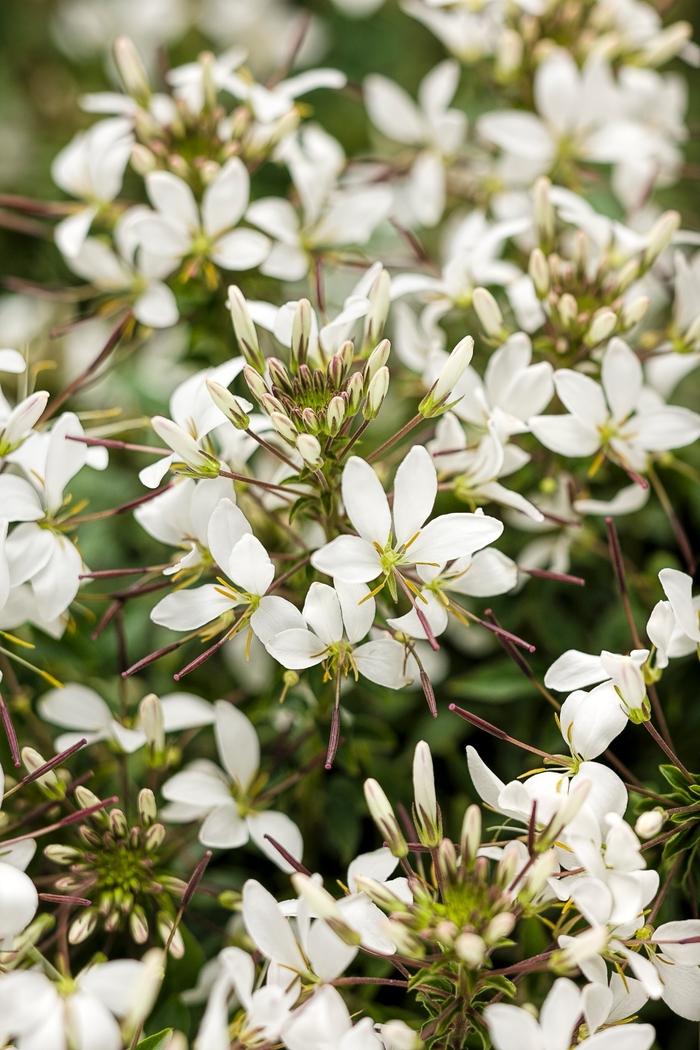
x: 19, y: 500
x: 488, y: 786
x: 173, y: 198
x: 565, y: 435
x: 415, y: 489
x: 511, y: 1028
x: 322, y: 613
x: 75, y: 707
x: 392, y: 111
x: 622, y: 378
x: 274, y: 615
x: 574, y: 670
x: 383, y: 661
x: 249, y: 566
x: 297, y: 648
x: 454, y: 536
x: 269, y: 929
x: 357, y: 607
x: 188, y: 610
x: 237, y: 743
x: 240, y: 250
x: 582, y: 396
x: 365, y: 502
x: 348, y: 558
x: 18, y: 901
x: 226, y: 198
x: 204, y: 787
x: 157, y: 306
x: 666, y: 428
x: 227, y: 525
x: 224, y: 828
x: 283, y: 830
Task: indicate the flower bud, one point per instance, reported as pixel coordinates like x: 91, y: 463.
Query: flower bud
x: 118, y: 824
x: 567, y: 308
x: 151, y: 720
x: 335, y: 414
x: 377, y: 359
x: 142, y: 160
x: 435, y: 401
x: 470, y: 839
x: 627, y: 275
x: 488, y: 312
x: 633, y: 312
x: 355, y: 389
x: 649, y: 824
x: 471, y: 950
x: 302, y: 326
x: 544, y: 212
x: 628, y: 679
x: 83, y: 926
x: 49, y: 782
x: 138, y: 925
x: 309, y: 448
x: 184, y: 446
x: 446, y: 861
x: 310, y: 420
x: 509, y: 53
x: 501, y: 925
x: 148, y: 811
x: 601, y: 327
x: 61, y: 854
x: 384, y: 817
x: 165, y: 930
x: 229, y: 404
x: 255, y: 383
x: 539, y: 272
x: 325, y: 907
x: 376, y: 392
x: 86, y: 798
x: 542, y: 870
x: 426, y: 813
x: 576, y: 950
x: 245, y: 329
x: 379, y: 298
x: 131, y: 70
x: 284, y: 426
x: 666, y: 44
x: 661, y: 235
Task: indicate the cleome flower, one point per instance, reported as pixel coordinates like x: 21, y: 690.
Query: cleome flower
x: 387, y: 542
x: 228, y: 801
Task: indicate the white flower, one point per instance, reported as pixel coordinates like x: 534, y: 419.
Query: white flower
x: 37, y: 550
x: 16, y: 423
x: 477, y: 469
x: 91, y: 167
x: 512, y: 1027
x: 619, y: 418
x: 431, y: 127
x: 179, y: 228
x: 249, y: 571
x: 224, y: 800
x: 180, y: 518
x: 272, y: 103
x: 332, y: 623
x: 296, y: 947
x: 267, y: 1007
x: 324, y: 1023
x: 86, y: 1014
x: 590, y: 721
x: 193, y: 416
x: 83, y: 711
x: 18, y: 896
x: 388, y: 541
x: 674, y: 624
x: 574, y: 670
x: 128, y: 272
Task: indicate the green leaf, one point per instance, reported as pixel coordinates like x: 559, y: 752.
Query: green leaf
x: 157, y: 1041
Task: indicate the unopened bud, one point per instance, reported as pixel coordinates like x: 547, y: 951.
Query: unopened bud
x: 544, y: 212
x: 245, y: 329
x: 377, y: 359
x: 255, y: 383
x: 426, y: 813
x: 542, y: 870
x: 661, y: 235
x: 509, y: 53
x: 384, y: 817
x: 152, y: 722
x: 148, y: 811
x: 488, y: 312
x: 335, y: 414
x: 49, y: 782
x: 138, y: 925
x: 539, y: 272
x: 649, y: 824
x: 379, y: 298
x: 376, y: 392
x: 309, y: 448
x: 86, y: 798
x: 501, y: 926
x: 229, y: 404
x: 666, y: 44
x: 567, y: 308
x: 82, y: 927
x: 184, y: 446
x: 301, y: 333
x: 324, y: 907
x: 131, y: 70
x: 601, y: 327
x: 470, y: 839
x: 437, y: 399
x: 355, y: 389
x: 396, y: 1035
x: 633, y: 312
x: 284, y: 426
x: 471, y: 950
x: 143, y: 160
x: 576, y: 950
x: 155, y: 837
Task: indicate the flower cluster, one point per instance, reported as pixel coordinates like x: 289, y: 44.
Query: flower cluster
x: 331, y: 422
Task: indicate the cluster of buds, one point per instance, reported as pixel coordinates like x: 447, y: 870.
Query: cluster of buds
x: 584, y: 29
x: 314, y: 396
x: 581, y: 281
x: 117, y: 866
x: 468, y: 904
